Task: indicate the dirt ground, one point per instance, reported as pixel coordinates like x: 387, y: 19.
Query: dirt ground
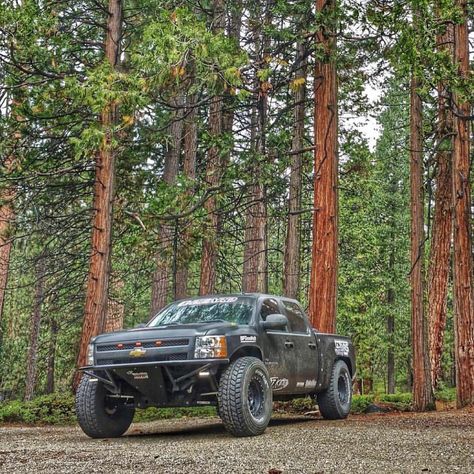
x: 434, y: 442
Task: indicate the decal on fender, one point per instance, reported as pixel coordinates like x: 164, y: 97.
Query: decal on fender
x: 279, y: 384
x: 342, y: 347
x: 248, y: 338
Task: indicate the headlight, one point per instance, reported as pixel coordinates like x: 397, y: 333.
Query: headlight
x: 210, y: 347
x: 90, y: 354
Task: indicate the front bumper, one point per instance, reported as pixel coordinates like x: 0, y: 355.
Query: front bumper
x: 154, y: 363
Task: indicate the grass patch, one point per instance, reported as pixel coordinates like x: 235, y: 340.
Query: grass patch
x: 153, y: 414
x: 58, y: 409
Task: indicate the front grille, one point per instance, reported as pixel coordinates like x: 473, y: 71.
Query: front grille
x: 182, y: 356
x: 147, y: 345
x: 156, y: 358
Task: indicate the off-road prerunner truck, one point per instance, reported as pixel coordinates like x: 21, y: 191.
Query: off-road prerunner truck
x: 238, y: 352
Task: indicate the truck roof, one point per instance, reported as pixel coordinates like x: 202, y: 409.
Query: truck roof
x: 224, y: 295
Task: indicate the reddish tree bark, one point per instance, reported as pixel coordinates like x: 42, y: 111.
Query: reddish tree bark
x: 462, y: 242
x: 323, y: 284
x: 422, y: 390
x: 440, y: 252
x: 95, y: 311
x: 293, y: 241
x: 7, y: 211
x: 207, y: 284
x: 7, y: 195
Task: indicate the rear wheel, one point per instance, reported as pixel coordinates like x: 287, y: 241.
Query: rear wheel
x: 245, y: 397
x: 335, y: 402
x: 98, y: 415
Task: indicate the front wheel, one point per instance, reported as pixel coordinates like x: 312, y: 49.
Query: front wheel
x: 335, y: 402
x: 97, y: 414
x: 245, y: 397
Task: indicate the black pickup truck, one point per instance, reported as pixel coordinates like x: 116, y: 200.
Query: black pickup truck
x: 238, y: 352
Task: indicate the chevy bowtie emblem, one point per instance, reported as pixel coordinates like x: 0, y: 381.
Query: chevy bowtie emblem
x: 137, y: 352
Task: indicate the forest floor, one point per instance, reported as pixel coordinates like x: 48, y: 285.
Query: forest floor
x: 396, y: 442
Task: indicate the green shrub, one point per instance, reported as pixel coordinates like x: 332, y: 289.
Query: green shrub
x: 49, y: 409
x: 361, y: 402
x: 446, y: 394
x: 399, y: 401
x: 303, y: 404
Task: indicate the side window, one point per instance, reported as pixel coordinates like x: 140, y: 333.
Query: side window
x: 270, y: 306
x: 295, y: 316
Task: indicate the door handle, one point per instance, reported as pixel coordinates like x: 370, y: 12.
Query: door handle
x: 311, y: 345
x: 289, y: 344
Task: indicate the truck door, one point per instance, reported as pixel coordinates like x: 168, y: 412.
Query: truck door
x: 278, y: 351
x: 305, y: 348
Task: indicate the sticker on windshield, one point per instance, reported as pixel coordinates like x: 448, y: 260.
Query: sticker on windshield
x: 204, y: 301
x: 248, y: 338
x: 342, y: 348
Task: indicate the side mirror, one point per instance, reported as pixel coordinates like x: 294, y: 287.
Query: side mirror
x: 139, y: 326
x: 275, y: 321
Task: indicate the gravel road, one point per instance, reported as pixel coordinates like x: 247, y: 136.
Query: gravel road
x: 434, y: 442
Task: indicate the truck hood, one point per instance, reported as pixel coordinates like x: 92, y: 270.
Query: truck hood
x: 170, y: 331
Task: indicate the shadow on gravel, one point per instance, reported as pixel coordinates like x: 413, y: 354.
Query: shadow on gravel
x: 211, y: 428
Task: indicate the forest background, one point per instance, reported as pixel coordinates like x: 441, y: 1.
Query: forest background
x: 152, y: 150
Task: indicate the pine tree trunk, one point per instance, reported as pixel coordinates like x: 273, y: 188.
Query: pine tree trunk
x: 7, y: 195
x: 293, y: 242
x: 53, y: 337
x: 161, y: 276
x: 462, y: 242
x: 7, y: 212
x: 207, y: 284
x: 422, y: 390
x: 95, y: 311
x: 440, y: 252
x: 323, y: 284
x: 31, y: 362
x: 189, y: 169
x: 254, y: 277
x: 391, y: 328
x: 115, y: 309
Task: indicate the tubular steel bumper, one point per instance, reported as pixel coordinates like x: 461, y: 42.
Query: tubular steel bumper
x: 131, y: 365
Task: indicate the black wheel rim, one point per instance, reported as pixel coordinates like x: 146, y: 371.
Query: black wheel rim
x: 343, y: 388
x: 256, y: 398
x: 110, y: 407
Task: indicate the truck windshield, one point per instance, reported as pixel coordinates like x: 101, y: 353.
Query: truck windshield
x: 232, y: 309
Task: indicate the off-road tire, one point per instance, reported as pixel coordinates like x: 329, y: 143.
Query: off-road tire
x: 335, y: 402
x: 244, y: 381
x: 94, y: 417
